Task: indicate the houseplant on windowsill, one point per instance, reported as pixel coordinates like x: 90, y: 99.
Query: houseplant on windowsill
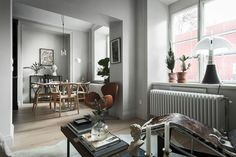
x: 184, y: 67
x: 170, y: 62
x: 104, y: 69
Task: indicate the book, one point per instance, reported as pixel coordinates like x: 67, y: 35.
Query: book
x: 106, y: 151
x: 80, y: 126
x: 109, y: 140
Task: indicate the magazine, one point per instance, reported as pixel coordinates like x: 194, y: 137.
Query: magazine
x: 95, y: 145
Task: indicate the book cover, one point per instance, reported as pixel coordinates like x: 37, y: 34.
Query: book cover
x: 79, y: 128
x: 109, y: 140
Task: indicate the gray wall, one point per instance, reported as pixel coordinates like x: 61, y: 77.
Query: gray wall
x: 32, y: 39
x: 116, y: 32
x: 141, y: 87
x: 103, y: 12
x: 6, y: 127
x: 80, y: 50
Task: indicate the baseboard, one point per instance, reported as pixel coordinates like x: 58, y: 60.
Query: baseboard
x: 142, y: 115
x: 128, y: 115
x: 9, y: 139
x: 20, y: 104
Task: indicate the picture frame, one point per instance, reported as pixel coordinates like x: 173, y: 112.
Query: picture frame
x: 115, y: 50
x: 46, y: 57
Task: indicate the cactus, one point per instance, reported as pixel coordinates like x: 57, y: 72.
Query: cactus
x: 183, y: 59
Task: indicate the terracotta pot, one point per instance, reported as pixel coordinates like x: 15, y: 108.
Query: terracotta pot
x: 172, y: 77
x: 182, y: 77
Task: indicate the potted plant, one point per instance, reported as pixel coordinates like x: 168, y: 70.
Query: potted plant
x: 99, y: 129
x: 104, y: 70
x: 36, y: 67
x: 170, y: 62
x: 184, y: 67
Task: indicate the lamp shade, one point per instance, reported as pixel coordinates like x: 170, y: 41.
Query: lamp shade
x: 212, y: 43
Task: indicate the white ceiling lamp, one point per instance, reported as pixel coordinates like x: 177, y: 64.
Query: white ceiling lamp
x: 63, y: 51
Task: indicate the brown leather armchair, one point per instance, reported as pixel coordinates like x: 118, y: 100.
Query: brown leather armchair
x: 109, y: 92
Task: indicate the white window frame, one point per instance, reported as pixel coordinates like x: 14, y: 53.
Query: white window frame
x: 200, y: 32
x: 171, y: 34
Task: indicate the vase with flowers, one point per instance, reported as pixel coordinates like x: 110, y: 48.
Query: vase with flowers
x: 36, y: 67
x: 99, y: 130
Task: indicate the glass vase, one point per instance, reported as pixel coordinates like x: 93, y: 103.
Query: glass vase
x: 99, y: 131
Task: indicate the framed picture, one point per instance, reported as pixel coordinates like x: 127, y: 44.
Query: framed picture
x: 115, y: 52
x: 46, y: 57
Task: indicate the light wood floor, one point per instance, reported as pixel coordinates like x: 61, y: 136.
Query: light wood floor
x: 44, y: 128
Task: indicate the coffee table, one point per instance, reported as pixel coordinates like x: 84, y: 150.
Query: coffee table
x: 82, y: 150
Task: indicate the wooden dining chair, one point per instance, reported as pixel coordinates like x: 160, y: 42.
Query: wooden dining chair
x: 83, y: 90
x: 65, y: 93
x: 38, y: 95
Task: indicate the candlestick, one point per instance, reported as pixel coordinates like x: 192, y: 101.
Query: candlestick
x: 148, y: 140
x: 167, y: 137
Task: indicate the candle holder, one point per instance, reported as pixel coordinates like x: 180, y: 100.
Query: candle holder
x: 148, y: 155
x: 166, y: 152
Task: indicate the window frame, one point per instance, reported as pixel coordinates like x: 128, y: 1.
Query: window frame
x: 200, y: 35
x: 186, y: 40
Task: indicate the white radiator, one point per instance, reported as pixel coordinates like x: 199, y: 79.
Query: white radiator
x: 206, y: 108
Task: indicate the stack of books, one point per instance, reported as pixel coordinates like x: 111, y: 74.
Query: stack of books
x: 104, y: 148
x: 94, y: 145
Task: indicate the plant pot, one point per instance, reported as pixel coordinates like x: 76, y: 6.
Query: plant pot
x: 172, y: 77
x: 181, y: 77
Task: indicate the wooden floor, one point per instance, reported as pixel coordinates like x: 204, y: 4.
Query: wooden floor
x: 43, y: 128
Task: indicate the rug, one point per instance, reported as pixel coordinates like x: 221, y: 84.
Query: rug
x: 59, y: 150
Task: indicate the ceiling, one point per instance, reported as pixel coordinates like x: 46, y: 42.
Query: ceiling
x: 26, y: 12
x: 167, y: 2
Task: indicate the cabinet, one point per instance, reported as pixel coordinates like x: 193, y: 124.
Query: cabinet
x: 43, y: 79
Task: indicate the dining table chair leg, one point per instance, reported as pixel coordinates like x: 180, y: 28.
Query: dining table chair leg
x: 60, y: 108
x: 77, y: 102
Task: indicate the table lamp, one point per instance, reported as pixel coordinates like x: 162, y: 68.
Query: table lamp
x: 211, y: 43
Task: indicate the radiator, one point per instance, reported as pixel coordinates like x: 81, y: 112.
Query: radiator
x: 206, y: 108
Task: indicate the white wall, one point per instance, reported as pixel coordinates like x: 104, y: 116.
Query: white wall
x: 152, y: 34
x: 157, y: 41
x: 100, y: 51
x: 33, y: 37
x: 6, y: 127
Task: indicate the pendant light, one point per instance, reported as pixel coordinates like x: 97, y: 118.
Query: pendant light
x: 63, y: 51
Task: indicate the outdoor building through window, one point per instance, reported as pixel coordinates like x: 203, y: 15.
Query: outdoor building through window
x: 184, y: 38
x: 222, y: 23
x: 218, y: 19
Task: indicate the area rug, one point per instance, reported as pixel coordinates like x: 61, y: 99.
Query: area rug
x: 59, y: 150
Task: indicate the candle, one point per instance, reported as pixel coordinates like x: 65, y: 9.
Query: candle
x: 148, y: 140
x: 167, y: 137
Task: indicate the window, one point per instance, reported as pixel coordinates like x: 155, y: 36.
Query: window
x: 218, y: 18
x: 184, y: 38
x: 222, y: 23
x: 101, y: 49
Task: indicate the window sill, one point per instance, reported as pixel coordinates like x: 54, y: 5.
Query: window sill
x: 195, y: 85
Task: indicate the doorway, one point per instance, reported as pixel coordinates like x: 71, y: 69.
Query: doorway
x: 14, y: 58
